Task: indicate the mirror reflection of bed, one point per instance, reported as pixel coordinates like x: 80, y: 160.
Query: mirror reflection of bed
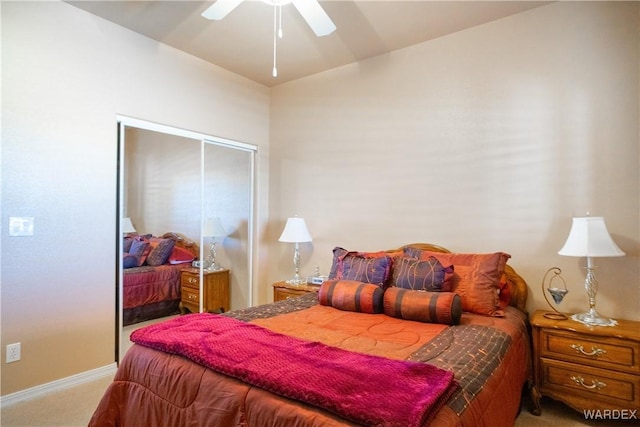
x: 171, y: 182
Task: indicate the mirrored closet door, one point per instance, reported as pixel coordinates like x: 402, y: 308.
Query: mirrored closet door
x: 185, y: 225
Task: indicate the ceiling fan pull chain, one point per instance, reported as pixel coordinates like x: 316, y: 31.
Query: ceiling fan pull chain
x: 275, y: 38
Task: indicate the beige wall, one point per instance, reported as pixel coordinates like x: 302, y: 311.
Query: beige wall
x: 489, y: 139
x: 65, y: 76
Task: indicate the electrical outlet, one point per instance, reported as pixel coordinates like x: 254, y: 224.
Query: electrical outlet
x: 13, y: 352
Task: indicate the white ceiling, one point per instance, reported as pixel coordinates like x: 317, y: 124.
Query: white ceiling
x: 243, y: 41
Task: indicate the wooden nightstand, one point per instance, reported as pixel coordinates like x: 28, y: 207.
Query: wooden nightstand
x: 284, y: 290
x: 215, y: 290
x: 588, y: 368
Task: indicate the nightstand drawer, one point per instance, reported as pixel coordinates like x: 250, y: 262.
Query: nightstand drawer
x: 602, y: 388
x: 281, y: 294
x: 610, y: 353
x: 190, y: 295
x: 190, y: 280
x: 284, y: 290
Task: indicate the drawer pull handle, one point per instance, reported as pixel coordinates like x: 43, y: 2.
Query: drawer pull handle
x: 192, y: 280
x: 595, y: 351
x: 594, y: 383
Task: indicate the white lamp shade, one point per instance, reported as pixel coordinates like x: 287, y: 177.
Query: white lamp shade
x: 589, y: 237
x: 213, y: 228
x: 127, y: 226
x: 295, y: 231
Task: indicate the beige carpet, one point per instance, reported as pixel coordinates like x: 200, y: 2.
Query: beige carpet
x: 556, y: 414
x: 68, y: 408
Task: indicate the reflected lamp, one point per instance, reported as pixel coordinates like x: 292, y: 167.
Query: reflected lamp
x: 127, y: 226
x: 213, y: 228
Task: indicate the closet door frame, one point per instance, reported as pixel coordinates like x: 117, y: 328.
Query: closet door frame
x: 124, y: 122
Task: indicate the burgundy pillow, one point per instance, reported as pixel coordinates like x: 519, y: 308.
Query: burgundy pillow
x: 366, y: 267
x: 420, y: 275
x: 350, y: 295
x: 421, y: 306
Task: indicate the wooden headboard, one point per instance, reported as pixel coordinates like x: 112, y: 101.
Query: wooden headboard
x: 517, y: 285
x: 184, y: 242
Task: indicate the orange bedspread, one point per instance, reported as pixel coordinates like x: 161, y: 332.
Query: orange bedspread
x: 489, y: 356
x: 375, y: 334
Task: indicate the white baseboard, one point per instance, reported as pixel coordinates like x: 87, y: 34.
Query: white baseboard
x: 58, y: 385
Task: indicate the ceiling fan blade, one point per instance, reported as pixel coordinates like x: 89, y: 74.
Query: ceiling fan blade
x: 315, y: 16
x: 220, y: 9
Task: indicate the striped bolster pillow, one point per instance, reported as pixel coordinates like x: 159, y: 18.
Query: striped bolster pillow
x: 423, y: 306
x: 351, y: 295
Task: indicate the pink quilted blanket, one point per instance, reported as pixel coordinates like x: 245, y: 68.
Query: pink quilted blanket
x: 369, y: 390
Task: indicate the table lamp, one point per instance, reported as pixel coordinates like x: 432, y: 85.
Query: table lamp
x: 590, y: 238
x: 295, y: 231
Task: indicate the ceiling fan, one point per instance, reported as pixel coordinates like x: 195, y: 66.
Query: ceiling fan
x: 310, y: 10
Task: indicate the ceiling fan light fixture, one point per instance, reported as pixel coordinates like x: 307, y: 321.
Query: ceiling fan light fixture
x: 277, y: 2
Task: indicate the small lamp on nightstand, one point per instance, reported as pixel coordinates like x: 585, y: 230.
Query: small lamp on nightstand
x: 213, y: 228
x: 590, y: 238
x: 127, y: 226
x: 295, y: 231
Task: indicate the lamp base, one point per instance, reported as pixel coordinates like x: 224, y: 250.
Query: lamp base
x: 593, y: 318
x: 214, y: 267
x: 296, y: 281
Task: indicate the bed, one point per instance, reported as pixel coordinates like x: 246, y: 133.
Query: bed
x: 151, y: 275
x: 447, y: 346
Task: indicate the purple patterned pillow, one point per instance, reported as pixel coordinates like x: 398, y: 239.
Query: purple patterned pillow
x: 137, y: 247
x: 366, y: 267
x: 420, y: 275
x: 161, y: 252
x: 126, y: 245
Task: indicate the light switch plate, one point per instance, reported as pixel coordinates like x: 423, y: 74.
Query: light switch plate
x: 21, y: 226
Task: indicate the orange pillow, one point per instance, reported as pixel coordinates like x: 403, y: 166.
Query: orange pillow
x: 476, y: 278
x: 504, y: 293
